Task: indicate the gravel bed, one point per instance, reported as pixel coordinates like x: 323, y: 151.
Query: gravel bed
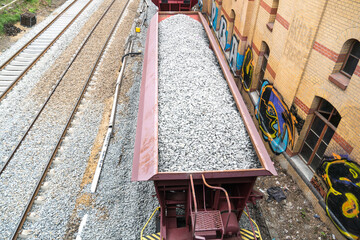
x: 19, y: 179
x: 19, y: 108
x: 55, y: 215
x: 200, y: 128
x: 65, y: 194
x: 123, y: 207
x: 65, y: 177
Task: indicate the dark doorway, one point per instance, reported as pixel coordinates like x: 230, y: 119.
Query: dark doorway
x: 322, y: 129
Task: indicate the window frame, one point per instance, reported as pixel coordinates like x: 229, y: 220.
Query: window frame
x: 327, y: 124
x: 347, y: 58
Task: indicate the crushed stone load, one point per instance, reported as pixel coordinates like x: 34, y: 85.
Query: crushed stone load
x: 200, y: 127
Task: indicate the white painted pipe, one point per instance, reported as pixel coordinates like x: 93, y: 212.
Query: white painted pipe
x: 8, y: 4
x: 110, y: 126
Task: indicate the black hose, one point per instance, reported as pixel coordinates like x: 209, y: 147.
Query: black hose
x: 131, y: 53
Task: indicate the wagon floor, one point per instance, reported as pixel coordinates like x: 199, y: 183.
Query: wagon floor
x: 179, y: 233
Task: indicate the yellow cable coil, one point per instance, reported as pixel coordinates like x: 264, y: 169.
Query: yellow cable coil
x: 255, y: 224
x: 142, y: 231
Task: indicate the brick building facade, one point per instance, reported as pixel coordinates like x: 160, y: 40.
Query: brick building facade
x: 297, y: 61
x: 303, y: 45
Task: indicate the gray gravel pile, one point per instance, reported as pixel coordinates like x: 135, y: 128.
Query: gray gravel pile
x: 200, y: 128
x: 128, y: 204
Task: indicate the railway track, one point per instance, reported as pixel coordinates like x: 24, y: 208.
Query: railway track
x: 41, y: 142
x: 27, y: 56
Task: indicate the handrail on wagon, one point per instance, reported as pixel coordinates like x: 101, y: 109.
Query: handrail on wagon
x: 226, y: 195
x: 195, y: 212
x: 195, y: 204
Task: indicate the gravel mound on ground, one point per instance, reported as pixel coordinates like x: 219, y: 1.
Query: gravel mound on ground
x: 200, y: 128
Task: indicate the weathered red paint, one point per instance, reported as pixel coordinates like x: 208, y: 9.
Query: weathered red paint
x: 164, y: 15
x: 145, y: 163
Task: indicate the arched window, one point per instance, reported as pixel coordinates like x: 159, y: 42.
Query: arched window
x: 265, y: 52
x: 352, y: 59
x: 346, y: 64
x: 323, y: 126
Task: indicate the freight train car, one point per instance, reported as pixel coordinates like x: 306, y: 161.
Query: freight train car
x: 175, y: 5
x: 185, y: 134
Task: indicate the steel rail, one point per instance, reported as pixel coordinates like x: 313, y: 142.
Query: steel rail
x: 45, y: 170
x: 36, y: 36
x: 54, y: 89
x: 8, y: 89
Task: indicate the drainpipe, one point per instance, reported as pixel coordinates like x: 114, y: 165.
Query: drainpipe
x: 106, y: 143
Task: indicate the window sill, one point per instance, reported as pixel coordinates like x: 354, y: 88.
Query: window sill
x: 270, y: 26
x: 339, y: 80
x: 303, y: 167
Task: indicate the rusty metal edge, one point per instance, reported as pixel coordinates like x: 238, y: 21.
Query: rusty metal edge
x: 166, y: 14
x: 145, y: 161
x: 241, y: 173
x: 177, y: 12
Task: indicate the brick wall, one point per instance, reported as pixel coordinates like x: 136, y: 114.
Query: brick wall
x: 338, y: 25
x: 306, y: 44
